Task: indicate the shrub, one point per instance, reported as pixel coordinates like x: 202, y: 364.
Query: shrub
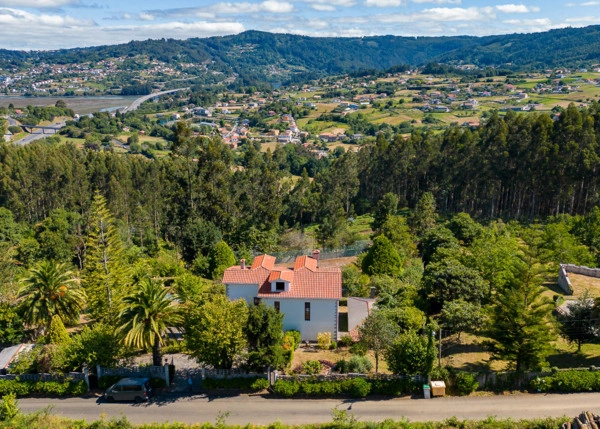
x: 465, y: 383
x: 341, y: 366
x: 568, y: 382
x: 291, y: 340
x: 243, y: 383
x: 106, y: 381
x: 395, y: 387
x: 260, y: 384
x: 312, y: 367
x: 324, y: 340
x: 58, y: 388
x: 440, y: 373
x: 346, y: 341
x: 359, y: 348
x: 356, y: 387
x: 333, y: 345
x: 158, y: 383
x: 9, y: 407
x: 359, y: 364
x: 286, y: 388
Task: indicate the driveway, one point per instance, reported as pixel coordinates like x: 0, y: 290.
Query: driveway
x: 243, y: 409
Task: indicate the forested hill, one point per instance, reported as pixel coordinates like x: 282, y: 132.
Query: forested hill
x: 255, y: 53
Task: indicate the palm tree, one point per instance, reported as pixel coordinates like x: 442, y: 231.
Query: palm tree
x: 148, y: 312
x: 50, y: 289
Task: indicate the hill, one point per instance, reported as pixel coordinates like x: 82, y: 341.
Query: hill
x: 258, y: 56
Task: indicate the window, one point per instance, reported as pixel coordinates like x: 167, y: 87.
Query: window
x: 307, y: 311
x: 256, y: 301
x: 277, y: 306
x: 280, y: 286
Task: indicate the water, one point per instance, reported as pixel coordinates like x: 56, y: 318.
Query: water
x: 80, y: 105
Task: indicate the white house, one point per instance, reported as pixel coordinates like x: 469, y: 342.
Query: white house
x: 307, y: 295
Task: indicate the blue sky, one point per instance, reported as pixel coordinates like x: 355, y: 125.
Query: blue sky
x: 54, y: 24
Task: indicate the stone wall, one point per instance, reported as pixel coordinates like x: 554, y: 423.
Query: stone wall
x: 565, y: 269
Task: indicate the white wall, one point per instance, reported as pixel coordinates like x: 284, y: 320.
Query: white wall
x: 247, y: 292
x: 323, y: 316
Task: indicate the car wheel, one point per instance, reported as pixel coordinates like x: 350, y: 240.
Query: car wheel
x: 138, y: 400
x: 110, y: 399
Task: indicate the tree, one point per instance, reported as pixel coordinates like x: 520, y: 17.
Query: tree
x: 464, y: 228
x: 105, y: 274
x: 148, y: 312
x: 520, y: 320
x: 409, y: 354
x: 11, y: 325
x: 462, y: 316
x: 437, y: 238
x: 382, y: 258
x: 215, y: 331
x: 96, y: 345
x: 578, y: 324
x: 378, y: 333
x: 220, y: 258
x: 50, y: 289
x: 424, y: 216
x: 449, y: 280
x: 264, y: 332
x: 386, y: 207
x: 57, y: 333
x: 398, y: 232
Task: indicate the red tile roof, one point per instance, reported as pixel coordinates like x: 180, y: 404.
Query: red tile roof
x: 306, y: 279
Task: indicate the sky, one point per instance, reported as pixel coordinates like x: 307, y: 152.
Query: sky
x: 56, y: 24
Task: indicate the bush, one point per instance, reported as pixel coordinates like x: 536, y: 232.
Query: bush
x: 333, y: 345
x: 242, y: 383
x: 324, y: 340
x: 57, y: 388
x: 359, y: 364
x: 440, y: 373
x: 286, y: 388
x: 106, y: 381
x: 312, y: 367
x: 395, y: 387
x: 465, y: 383
x: 341, y: 366
x: 158, y: 383
x: 346, y: 341
x: 359, y: 348
x: 291, y: 340
x: 568, y: 382
x: 356, y: 387
x: 9, y: 407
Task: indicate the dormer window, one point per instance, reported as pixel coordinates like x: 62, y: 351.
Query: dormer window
x: 280, y: 286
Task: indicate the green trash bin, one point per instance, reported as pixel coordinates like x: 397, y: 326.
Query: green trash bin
x: 427, y: 391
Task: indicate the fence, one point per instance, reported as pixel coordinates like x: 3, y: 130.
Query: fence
x: 74, y: 376
x: 230, y: 373
x: 137, y: 371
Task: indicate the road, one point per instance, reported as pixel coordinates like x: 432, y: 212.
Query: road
x: 256, y: 409
x: 140, y: 100
x: 38, y: 134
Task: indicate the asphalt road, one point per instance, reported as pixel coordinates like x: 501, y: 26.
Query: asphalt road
x: 257, y: 409
x: 140, y: 100
x: 39, y: 134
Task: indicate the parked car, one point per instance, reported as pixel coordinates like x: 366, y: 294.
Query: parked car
x: 129, y: 389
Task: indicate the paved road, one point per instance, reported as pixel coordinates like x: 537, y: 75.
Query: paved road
x: 245, y: 409
x: 140, y: 100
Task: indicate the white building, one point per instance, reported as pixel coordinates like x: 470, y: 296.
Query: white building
x: 307, y: 295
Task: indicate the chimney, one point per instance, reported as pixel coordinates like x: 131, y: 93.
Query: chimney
x: 315, y: 254
x: 243, y: 264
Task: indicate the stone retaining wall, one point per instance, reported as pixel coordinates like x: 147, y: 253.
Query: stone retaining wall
x: 565, y: 269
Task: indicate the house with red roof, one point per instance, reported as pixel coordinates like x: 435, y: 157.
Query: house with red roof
x: 306, y: 294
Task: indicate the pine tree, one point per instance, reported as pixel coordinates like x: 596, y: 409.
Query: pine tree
x: 105, y: 275
x: 382, y: 258
x: 57, y: 334
x: 520, y: 322
x: 220, y: 258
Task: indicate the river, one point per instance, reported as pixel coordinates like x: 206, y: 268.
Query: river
x: 80, y: 105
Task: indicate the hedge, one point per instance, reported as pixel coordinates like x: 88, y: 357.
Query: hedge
x: 570, y: 381
x: 246, y: 383
x: 354, y: 387
x: 27, y: 387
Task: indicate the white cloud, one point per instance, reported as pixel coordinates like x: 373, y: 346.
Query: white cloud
x: 54, y: 31
x: 273, y: 6
x: 539, y: 22
x: 323, y: 7
x: 38, y: 4
x: 591, y: 3
x: 516, y: 8
x: 384, y: 3
x: 145, y: 16
x: 438, y: 1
